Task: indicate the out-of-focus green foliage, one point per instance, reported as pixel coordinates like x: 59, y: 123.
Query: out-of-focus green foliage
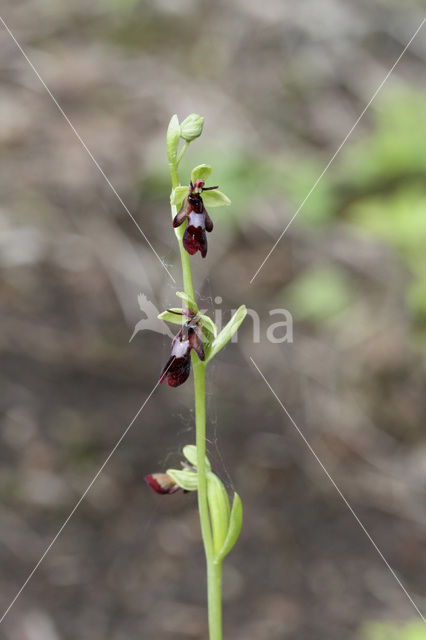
x: 319, y: 295
x: 386, y: 174
x: 395, y: 149
x: 398, y: 218
x: 379, y: 186
x: 389, y: 631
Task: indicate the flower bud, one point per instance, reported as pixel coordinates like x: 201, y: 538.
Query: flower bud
x: 162, y: 483
x: 191, y: 127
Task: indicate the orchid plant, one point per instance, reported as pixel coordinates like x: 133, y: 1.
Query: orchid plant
x: 198, y: 341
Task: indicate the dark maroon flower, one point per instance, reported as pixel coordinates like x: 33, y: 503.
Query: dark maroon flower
x: 198, y: 220
x: 162, y: 483
x: 178, y: 366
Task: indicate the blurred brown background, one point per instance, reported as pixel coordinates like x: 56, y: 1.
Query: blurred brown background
x: 280, y: 84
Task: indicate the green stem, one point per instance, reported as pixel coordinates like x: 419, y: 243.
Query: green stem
x: 186, y: 267
x: 214, y: 588
x: 214, y: 570
x: 181, y: 152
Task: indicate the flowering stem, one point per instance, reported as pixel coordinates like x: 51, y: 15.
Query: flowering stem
x: 214, y: 570
x: 181, y: 152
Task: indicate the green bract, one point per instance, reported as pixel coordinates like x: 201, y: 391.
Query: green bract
x: 190, y: 302
x: 201, y: 172
x: 234, y: 529
x: 173, y: 136
x: 178, y: 195
x: 227, y: 332
x: 192, y: 127
x: 207, y: 323
x: 219, y: 510
x: 190, y: 453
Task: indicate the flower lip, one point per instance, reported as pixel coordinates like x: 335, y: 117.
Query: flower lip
x: 161, y: 483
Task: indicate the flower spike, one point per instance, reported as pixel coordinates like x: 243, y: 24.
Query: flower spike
x: 220, y: 524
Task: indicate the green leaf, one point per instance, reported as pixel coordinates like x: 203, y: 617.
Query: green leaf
x: 173, y: 137
x: 234, y: 529
x: 227, y: 332
x: 208, y: 324
x: 178, y: 195
x: 171, y: 317
x: 201, y: 172
x: 219, y: 510
x: 190, y: 453
x: 190, y: 302
x: 215, y: 198
x: 185, y: 478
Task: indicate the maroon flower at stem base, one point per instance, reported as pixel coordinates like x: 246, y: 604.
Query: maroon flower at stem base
x: 178, y: 366
x: 162, y: 483
x: 198, y: 220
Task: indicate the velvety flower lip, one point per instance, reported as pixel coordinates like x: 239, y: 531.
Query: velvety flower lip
x: 195, y: 239
x: 161, y: 483
x: 198, y: 220
x: 178, y: 367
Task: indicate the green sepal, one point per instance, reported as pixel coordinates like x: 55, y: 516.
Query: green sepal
x: 172, y: 317
x: 234, y: 529
x: 207, y: 323
x: 214, y: 199
x: 190, y: 302
x: 219, y: 510
x: 227, y: 332
x: 185, y: 478
x: 190, y: 453
x: 178, y: 195
x: 173, y: 137
x: 201, y: 172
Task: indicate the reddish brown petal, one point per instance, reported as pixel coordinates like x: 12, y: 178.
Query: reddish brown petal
x: 195, y: 340
x: 183, y: 213
x: 209, y: 221
x: 161, y: 483
x: 203, y: 244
